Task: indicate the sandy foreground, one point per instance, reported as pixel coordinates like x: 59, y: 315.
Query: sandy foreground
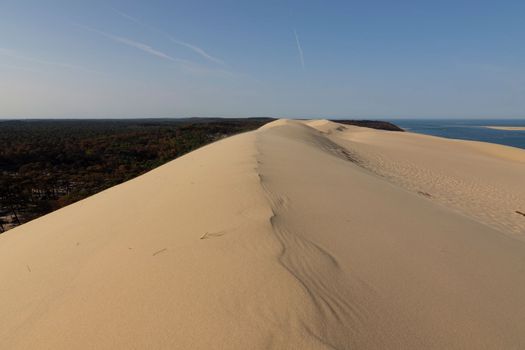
x: 301, y: 235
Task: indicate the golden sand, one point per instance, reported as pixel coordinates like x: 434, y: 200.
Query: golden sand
x: 301, y: 235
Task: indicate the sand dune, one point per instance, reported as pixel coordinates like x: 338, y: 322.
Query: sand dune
x: 479, y: 179
x: 301, y: 235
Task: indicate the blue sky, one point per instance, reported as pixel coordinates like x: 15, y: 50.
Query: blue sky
x: 159, y: 58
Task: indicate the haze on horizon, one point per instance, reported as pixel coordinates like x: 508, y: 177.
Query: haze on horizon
x: 291, y: 59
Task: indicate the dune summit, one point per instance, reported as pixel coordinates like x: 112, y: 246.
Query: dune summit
x: 300, y: 235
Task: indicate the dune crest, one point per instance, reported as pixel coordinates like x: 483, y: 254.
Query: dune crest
x: 306, y: 235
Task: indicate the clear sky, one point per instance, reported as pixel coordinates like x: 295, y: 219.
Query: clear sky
x: 169, y: 58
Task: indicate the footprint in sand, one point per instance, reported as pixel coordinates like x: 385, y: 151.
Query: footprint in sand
x: 209, y: 235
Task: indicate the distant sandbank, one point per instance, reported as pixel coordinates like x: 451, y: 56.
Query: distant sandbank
x: 507, y: 128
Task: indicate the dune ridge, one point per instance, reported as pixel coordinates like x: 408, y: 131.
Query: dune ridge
x: 301, y: 235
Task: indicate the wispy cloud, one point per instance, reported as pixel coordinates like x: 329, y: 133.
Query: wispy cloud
x: 136, y: 44
x: 299, y: 48
x: 14, y: 67
x: 21, y: 57
x: 125, y: 15
x: 200, y: 51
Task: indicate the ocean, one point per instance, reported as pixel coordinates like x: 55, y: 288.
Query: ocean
x: 468, y: 129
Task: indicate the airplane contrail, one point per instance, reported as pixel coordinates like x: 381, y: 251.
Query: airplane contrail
x: 136, y: 44
x: 299, y: 48
x: 14, y: 54
x: 200, y: 51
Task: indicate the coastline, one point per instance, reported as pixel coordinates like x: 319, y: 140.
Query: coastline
x: 469, y: 129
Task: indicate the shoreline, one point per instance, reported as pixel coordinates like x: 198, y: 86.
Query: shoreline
x: 502, y: 132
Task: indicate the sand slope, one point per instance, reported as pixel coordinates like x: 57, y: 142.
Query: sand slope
x: 301, y: 235
x: 482, y: 180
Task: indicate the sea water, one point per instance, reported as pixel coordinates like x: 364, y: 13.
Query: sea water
x: 468, y: 129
